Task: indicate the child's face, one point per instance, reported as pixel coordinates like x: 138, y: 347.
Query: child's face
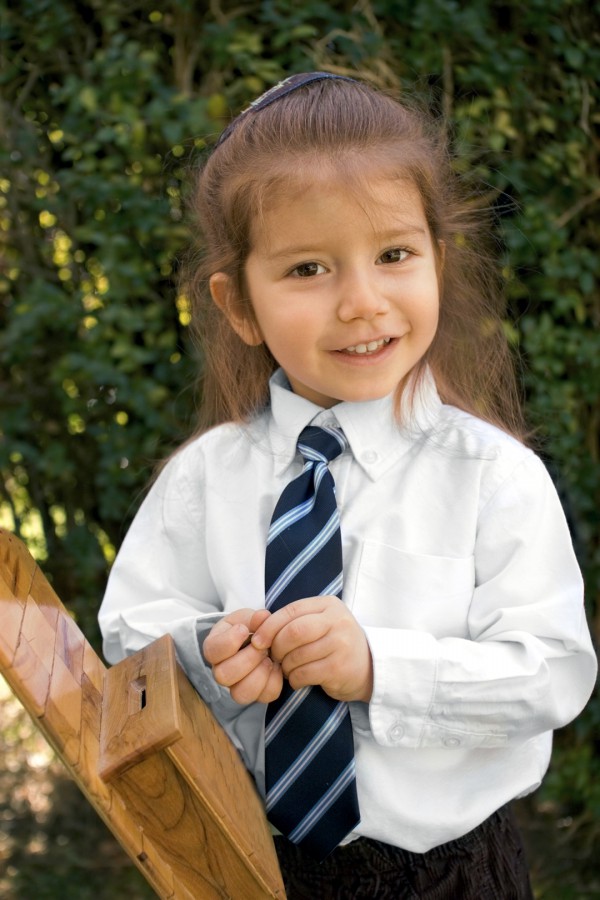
x: 344, y: 288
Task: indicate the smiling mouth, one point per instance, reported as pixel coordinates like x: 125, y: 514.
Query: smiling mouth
x: 365, y: 349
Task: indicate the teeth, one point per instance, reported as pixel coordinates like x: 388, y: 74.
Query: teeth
x: 368, y: 348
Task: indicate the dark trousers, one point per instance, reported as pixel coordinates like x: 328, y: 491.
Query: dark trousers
x: 488, y: 863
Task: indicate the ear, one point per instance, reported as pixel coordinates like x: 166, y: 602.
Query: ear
x: 224, y: 294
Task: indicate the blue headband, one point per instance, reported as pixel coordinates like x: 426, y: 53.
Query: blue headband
x: 277, y: 92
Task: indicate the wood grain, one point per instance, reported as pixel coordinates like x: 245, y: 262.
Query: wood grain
x: 176, y: 794
x: 140, y: 709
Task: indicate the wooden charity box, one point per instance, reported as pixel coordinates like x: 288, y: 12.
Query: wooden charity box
x: 140, y: 743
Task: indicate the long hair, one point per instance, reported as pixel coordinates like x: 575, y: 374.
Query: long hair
x: 351, y: 127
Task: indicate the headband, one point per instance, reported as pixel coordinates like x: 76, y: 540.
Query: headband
x: 292, y: 83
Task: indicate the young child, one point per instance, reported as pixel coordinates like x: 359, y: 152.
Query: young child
x: 342, y: 285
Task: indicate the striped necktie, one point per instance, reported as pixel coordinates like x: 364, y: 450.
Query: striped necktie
x: 309, y: 752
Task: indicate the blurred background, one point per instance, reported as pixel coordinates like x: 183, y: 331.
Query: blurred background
x: 105, y: 106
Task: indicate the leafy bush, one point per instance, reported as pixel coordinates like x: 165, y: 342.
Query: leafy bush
x: 104, y: 107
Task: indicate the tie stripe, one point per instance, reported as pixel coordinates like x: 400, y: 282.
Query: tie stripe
x: 337, y: 788
x: 333, y: 589
x: 309, y: 754
x: 298, y: 512
x: 287, y: 710
x: 297, y: 564
x: 306, y: 757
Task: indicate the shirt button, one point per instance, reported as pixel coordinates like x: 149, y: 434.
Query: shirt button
x: 452, y: 742
x: 396, y: 733
x: 371, y: 456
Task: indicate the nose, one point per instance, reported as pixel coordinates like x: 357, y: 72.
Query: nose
x: 360, y: 297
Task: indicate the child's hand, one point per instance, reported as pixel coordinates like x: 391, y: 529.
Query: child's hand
x: 318, y: 641
x: 250, y: 674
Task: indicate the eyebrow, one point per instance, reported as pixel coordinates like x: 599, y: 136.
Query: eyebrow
x: 401, y: 232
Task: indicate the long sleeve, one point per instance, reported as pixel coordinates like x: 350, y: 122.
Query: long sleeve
x: 525, y: 665
x: 161, y: 582
x: 161, y: 573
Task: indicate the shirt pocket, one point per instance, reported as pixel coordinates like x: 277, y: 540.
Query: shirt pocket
x: 397, y: 589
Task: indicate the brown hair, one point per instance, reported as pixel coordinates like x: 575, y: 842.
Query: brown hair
x: 350, y: 126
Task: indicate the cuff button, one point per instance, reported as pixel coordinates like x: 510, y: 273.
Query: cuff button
x: 396, y: 733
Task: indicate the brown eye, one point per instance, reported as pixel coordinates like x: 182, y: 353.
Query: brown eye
x: 308, y: 269
x: 393, y: 255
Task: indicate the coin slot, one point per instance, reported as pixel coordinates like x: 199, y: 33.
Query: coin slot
x: 137, y: 695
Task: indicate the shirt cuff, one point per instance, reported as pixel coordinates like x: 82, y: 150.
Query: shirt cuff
x: 405, y: 708
x: 404, y: 680
x: 189, y: 637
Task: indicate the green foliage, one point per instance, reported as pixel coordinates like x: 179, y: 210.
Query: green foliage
x: 104, y: 106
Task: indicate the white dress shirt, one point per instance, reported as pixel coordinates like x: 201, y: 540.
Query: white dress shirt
x: 458, y: 564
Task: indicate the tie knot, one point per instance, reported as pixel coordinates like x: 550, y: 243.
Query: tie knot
x: 321, y: 444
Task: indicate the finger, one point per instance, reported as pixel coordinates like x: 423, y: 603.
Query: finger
x: 312, y: 673
x: 302, y: 655
x: 304, y: 632
x: 341, y: 676
x: 320, y: 672
x: 258, y: 617
x: 251, y: 687
x: 237, y: 617
x: 239, y: 666
x: 273, y: 686
x: 331, y: 630
x: 265, y: 633
x: 223, y: 641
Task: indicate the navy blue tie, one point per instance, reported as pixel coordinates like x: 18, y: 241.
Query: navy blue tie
x: 309, y: 751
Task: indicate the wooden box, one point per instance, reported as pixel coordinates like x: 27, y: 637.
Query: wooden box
x: 140, y: 743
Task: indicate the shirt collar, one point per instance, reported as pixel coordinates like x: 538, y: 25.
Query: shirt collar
x: 371, y: 427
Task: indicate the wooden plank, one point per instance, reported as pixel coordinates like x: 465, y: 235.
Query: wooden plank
x: 86, y: 767
x: 203, y: 859
x: 183, y: 806
x: 62, y: 714
x: 70, y: 645
x: 29, y: 678
x: 17, y: 566
x: 62, y: 690
x: 39, y: 634
x: 93, y: 669
x: 11, y: 623
x: 224, y: 778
